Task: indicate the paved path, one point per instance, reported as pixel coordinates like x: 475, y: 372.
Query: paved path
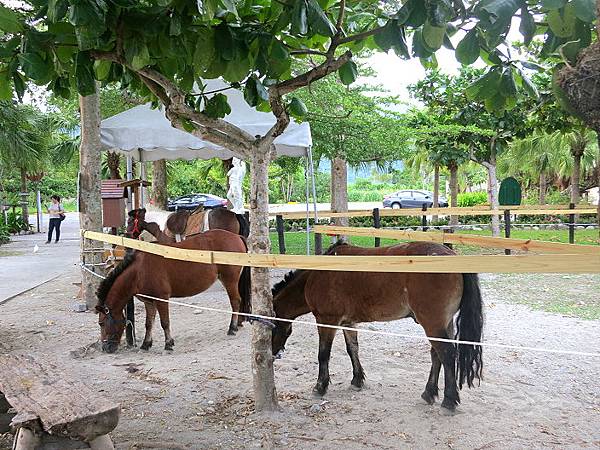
x: 21, y: 268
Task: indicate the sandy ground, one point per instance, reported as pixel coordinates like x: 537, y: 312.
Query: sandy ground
x: 200, y: 396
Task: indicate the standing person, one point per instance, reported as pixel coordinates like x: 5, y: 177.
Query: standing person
x: 57, y: 215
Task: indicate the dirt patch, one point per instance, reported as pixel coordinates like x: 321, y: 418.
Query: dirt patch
x: 200, y: 395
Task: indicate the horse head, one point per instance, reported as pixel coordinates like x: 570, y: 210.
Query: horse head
x: 135, y: 223
x: 279, y: 337
x: 112, y: 325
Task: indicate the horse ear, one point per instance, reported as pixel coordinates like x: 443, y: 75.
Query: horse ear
x: 131, y: 213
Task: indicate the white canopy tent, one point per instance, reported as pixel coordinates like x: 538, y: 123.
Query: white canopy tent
x: 145, y: 134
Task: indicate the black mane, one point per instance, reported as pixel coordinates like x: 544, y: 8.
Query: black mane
x: 287, y: 279
x: 107, y: 283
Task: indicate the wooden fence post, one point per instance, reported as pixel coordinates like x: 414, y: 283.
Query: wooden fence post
x: 377, y: 224
x: 507, y: 228
x: 280, y: 233
x: 318, y: 244
x: 424, y: 218
x: 571, y: 225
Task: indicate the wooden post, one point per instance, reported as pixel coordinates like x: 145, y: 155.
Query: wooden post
x: 280, y: 233
x: 448, y: 230
x: 377, y: 224
x: 571, y: 225
x: 507, y: 228
x: 424, y: 218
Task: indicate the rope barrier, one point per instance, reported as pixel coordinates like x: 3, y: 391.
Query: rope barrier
x: 366, y: 330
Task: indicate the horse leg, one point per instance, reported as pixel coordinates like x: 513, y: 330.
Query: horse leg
x: 165, y: 323
x: 446, y: 352
x: 150, y: 315
x: 431, y: 388
x: 358, y: 377
x: 326, y: 336
x: 231, y: 286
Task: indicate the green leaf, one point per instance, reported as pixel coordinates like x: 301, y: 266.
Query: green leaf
x: 420, y: 48
x: 562, y: 21
x: 35, y: 67
x: 440, y: 12
x: 226, y: 43
x: 299, y: 19
x: 532, y: 66
x: 553, y: 4
x: 392, y: 36
x: 433, y: 35
x: 585, y: 10
x: 57, y: 9
x: 278, y: 60
x: 508, y: 86
x: 404, y: 13
x: 88, y: 12
x: 19, y: 84
x: 217, y: 106
x: 175, y: 25
x: 102, y: 69
x: 485, y: 86
x: 495, y: 104
x: 501, y: 9
x: 205, y: 49
x: 528, y: 85
x: 84, y: 74
x: 318, y: 21
x: 229, y: 6
x: 297, y: 108
x: 418, y: 14
x: 527, y: 26
x: 467, y: 50
x: 6, y: 92
x: 136, y: 51
x: 348, y: 73
x: 9, y: 21
x: 255, y: 92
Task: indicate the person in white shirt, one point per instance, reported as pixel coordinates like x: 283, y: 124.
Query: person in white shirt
x: 57, y: 214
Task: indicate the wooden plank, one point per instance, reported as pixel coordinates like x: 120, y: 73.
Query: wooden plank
x: 434, y: 264
x: 472, y: 211
x: 465, y: 239
x: 64, y: 408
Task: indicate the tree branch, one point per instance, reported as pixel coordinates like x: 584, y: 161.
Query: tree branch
x: 358, y: 36
x: 340, y: 20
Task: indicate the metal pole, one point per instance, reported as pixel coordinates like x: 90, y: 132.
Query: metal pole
x: 571, y: 225
x: 424, y: 218
x: 142, y: 179
x: 318, y: 240
x: 129, y: 177
x: 307, y: 208
x: 280, y: 233
x: 40, y: 217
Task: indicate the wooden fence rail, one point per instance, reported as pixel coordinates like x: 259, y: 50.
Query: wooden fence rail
x: 465, y: 239
x: 433, y: 264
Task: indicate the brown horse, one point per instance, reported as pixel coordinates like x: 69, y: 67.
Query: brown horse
x: 154, y: 275
x: 184, y: 224
x: 348, y: 298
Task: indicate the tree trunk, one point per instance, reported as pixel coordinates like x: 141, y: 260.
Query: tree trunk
x: 159, y: 183
x: 577, y: 153
x: 453, y: 168
x: 339, y: 191
x: 436, y: 189
x: 263, y: 377
x: 113, y: 160
x: 598, y: 174
x: 24, y: 198
x: 543, y: 188
x: 90, y: 210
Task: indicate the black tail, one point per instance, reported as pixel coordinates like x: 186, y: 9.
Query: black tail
x: 469, y: 327
x: 245, y: 285
x: 244, y: 225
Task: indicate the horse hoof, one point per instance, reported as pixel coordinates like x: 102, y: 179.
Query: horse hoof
x: 169, y: 345
x: 320, y: 389
x: 146, y: 345
x: 429, y: 399
x: 231, y: 332
x: 355, y: 387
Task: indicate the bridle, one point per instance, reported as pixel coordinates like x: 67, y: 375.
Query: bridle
x: 111, y: 321
x: 136, y: 228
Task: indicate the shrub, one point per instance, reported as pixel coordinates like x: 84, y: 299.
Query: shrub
x: 471, y: 199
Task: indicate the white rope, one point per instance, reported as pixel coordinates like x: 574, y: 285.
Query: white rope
x: 366, y: 330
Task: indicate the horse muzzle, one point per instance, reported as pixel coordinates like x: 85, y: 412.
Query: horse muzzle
x: 109, y: 346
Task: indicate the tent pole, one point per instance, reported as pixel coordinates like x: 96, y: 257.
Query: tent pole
x: 129, y: 178
x: 142, y: 179
x: 306, y: 166
x: 318, y: 244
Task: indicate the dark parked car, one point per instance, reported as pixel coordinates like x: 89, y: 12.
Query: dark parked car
x: 193, y: 201
x: 411, y: 198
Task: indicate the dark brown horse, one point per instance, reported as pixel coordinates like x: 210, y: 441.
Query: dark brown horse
x: 349, y: 298
x: 154, y: 275
x: 183, y: 224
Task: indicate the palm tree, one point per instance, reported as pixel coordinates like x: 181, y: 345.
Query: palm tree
x: 25, y: 137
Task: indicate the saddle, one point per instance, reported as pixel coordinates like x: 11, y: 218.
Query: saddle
x: 183, y: 223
